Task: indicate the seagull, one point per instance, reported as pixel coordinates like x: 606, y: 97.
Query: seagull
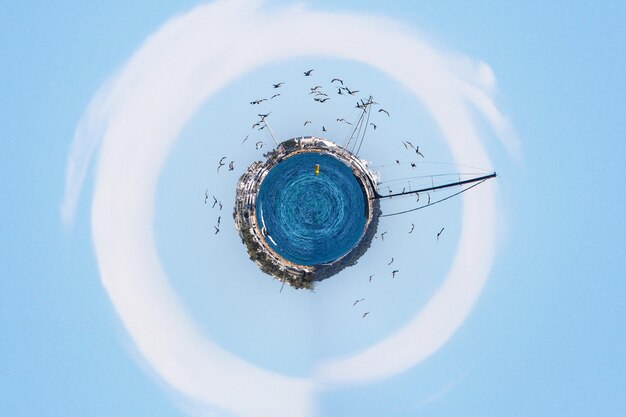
x: 413, y: 165
x: 259, y: 101
x: 246, y: 138
x: 308, y: 73
x: 365, y: 314
x: 217, y: 229
x: 259, y: 145
x: 418, y: 197
x: 263, y: 116
x: 339, y: 91
x: 390, y: 262
x: 412, y: 227
x: 345, y: 121
x: 351, y: 92
x: 384, y: 111
x: 219, y: 219
x: 307, y: 122
x: 322, y: 100
x: 407, y: 144
x: 231, y: 166
x: 394, y: 272
x: 371, y: 277
x: 428, y: 198
x: 323, y: 129
x: 277, y: 85
x: 275, y: 95
x: 336, y: 79
x: 373, y: 125
x: 417, y: 151
x: 382, y: 235
x: 214, y: 202
x: 397, y: 162
x: 255, y: 125
x: 206, y: 195
x: 358, y: 301
x: 439, y: 234
x: 220, y: 204
x: 221, y: 164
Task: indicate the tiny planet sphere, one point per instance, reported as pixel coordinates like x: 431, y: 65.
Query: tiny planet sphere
x: 307, y: 212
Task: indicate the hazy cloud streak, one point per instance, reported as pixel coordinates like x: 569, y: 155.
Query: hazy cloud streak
x: 145, y: 108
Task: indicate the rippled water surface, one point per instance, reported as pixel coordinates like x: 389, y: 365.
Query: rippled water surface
x: 311, y: 219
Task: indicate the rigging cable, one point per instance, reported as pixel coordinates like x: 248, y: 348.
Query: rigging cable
x: 432, y: 204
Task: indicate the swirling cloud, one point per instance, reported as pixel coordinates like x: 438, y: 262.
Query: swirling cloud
x: 138, y: 115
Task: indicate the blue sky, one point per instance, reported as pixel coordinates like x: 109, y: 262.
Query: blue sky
x: 546, y: 335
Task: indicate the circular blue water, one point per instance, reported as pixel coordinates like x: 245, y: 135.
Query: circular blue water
x: 311, y: 219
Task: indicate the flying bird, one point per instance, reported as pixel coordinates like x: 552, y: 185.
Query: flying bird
x: 219, y: 219
x: 390, y: 262
x: 321, y: 100
x: 384, y: 111
x: 336, y: 79
x: 412, y: 226
x: 275, y: 95
x: 417, y: 151
x: 351, y: 92
x: 439, y: 234
x: 246, y: 138
x: 394, y: 272
x: 365, y: 314
x: 214, y: 202
x: 413, y: 165
x: 308, y: 73
x: 371, y: 276
x: 258, y: 145
x: 428, y: 194
x: 220, y: 204
x: 206, y: 195
x: 382, y: 235
x: 217, y: 229
x: 259, y: 101
x: 407, y: 144
x: 277, y: 85
x: 231, y: 165
x: 397, y: 162
x: 263, y: 116
x: 323, y: 129
x: 358, y: 301
x: 307, y: 122
x: 373, y: 125
x: 345, y: 121
x: 221, y: 164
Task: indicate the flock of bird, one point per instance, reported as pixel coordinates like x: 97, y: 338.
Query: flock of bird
x: 394, y: 271
x: 216, y: 202
x: 319, y: 96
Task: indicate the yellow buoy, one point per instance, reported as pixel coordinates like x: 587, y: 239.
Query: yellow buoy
x: 317, y: 169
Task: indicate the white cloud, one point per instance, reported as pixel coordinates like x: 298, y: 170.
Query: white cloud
x: 139, y: 116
